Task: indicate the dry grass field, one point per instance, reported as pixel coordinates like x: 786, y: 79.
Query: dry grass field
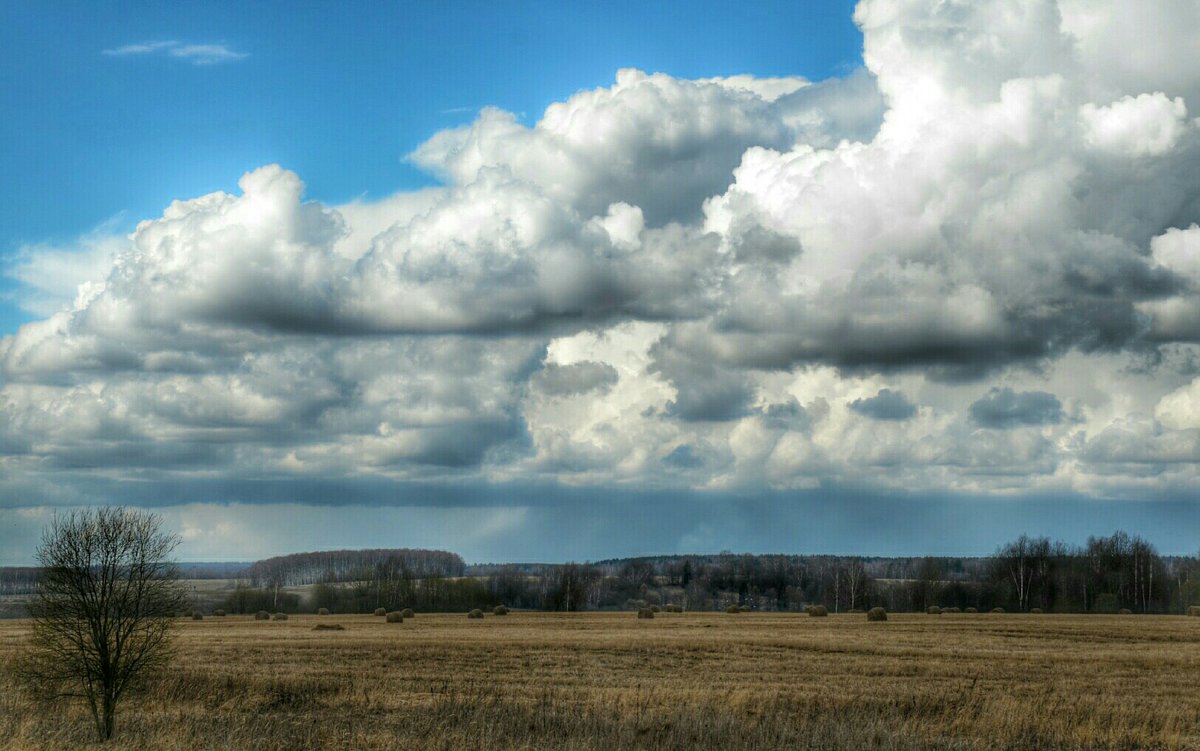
x: 678, y: 681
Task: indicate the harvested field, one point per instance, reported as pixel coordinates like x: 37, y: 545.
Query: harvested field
x: 694, y: 680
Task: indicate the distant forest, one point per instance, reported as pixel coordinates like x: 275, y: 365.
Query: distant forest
x: 1107, y: 575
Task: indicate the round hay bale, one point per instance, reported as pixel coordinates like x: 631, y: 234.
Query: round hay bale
x: 971, y: 610
x: 876, y: 614
x: 329, y: 627
x: 933, y: 610
x: 476, y: 613
x: 997, y: 610
x: 818, y: 611
x: 322, y: 611
x: 646, y: 613
x: 1124, y: 611
x: 674, y: 608
x: 219, y: 613
x: 1193, y: 610
x: 262, y: 615
x: 395, y: 617
x: 951, y: 610
x: 380, y: 611
x: 197, y: 617
x: 733, y: 609
x: 499, y: 610
x: 279, y: 617
x: 1035, y: 611
x: 408, y: 613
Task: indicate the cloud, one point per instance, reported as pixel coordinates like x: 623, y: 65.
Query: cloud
x: 1005, y: 408
x: 686, y: 285
x: 197, y: 54
x: 886, y: 405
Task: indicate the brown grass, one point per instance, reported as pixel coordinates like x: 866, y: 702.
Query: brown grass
x: 603, y: 681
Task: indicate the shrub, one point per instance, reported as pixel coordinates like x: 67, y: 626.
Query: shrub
x: 219, y: 613
x: 262, y: 615
x: 395, y: 617
x: 646, y: 613
x: 876, y: 614
x: 322, y: 611
x: 279, y: 617
x: 499, y: 610
x: 817, y: 611
x: 197, y: 617
x: 952, y: 610
x: 934, y: 610
x: 1035, y: 611
x: 380, y: 611
x: 1124, y: 611
x: 744, y: 608
x: 855, y: 611
x: 329, y: 627
x: 476, y: 613
x: 1193, y: 610
x: 972, y: 610
x: 634, y: 603
x: 655, y: 609
x: 408, y: 613
x: 733, y: 609
x: 997, y: 610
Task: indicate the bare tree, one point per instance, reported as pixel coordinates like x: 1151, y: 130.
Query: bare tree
x: 102, y: 612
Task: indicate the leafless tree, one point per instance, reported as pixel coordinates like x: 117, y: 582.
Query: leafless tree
x: 103, y: 610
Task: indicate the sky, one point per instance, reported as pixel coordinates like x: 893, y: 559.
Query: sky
x: 897, y: 278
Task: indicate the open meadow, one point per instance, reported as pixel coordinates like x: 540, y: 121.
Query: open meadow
x: 678, y: 681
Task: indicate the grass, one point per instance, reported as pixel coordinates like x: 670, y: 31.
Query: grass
x: 602, y: 681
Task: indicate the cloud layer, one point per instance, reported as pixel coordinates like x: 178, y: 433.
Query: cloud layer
x: 971, y: 266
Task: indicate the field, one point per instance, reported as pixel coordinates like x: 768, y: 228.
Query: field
x: 679, y: 681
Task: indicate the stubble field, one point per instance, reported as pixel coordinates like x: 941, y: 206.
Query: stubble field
x: 679, y: 681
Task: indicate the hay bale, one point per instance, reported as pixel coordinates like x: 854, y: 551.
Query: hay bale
x: 262, y: 615
x: 279, y: 617
x: 380, y: 611
x: 997, y: 610
x: 219, y: 613
x: 655, y: 609
x: 971, y: 610
x: 499, y: 610
x: 933, y: 610
x: 674, y: 608
x: 1193, y: 610
x: 817, y: 611
x: 476, y: 613
x: 1035, y: 611
x: 733, y: 609
x: 395, y: 617
x: 646, y: 613
x: 877, y: 614
x: 408, y: 613
x: 1124, y: 611
x: 322, y: 611
x: 197, y: 617
x: 329, y: 627
x: 951, y: 610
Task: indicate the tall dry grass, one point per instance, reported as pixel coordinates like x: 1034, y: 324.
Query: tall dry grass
x: 699, y: 680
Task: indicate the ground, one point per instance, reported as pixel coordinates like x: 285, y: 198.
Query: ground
x: 612, y: 681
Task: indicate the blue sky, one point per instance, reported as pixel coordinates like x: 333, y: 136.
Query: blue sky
x: 341, y: 97
x: 532, y: 282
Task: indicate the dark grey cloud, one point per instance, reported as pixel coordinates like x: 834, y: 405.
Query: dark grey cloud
x: 886, y: 405
x: 1005, y: 408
